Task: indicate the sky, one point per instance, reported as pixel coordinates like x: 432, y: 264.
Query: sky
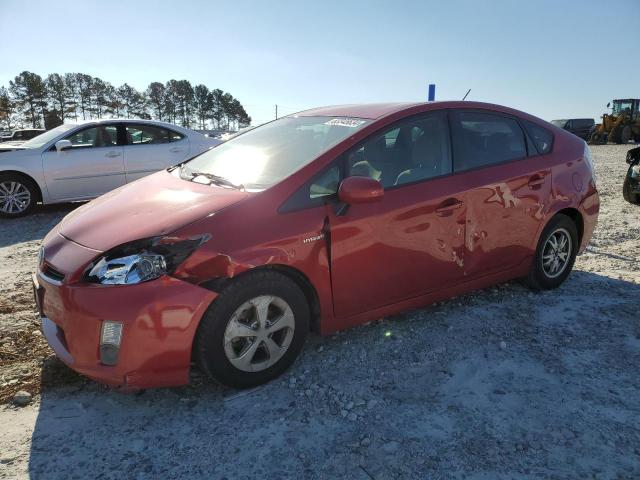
x: 551, y: 58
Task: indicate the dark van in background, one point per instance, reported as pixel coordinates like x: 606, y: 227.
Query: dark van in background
x: 578, y: 126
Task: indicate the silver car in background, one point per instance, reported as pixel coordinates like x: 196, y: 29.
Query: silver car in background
x: 82, y: 161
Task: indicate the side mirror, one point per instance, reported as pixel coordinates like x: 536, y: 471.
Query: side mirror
x: 608, y: 104
x: 62, y: 145
x: 360, y: 190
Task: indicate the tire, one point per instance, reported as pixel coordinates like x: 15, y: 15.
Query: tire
x: 628, y: 195
x: 614, y: 136
x: 539, y: 277
x: 625, y: 134
x: 224, y: 347
x: 18, y: 195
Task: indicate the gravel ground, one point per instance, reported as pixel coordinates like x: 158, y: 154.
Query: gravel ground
x: 503, y: 383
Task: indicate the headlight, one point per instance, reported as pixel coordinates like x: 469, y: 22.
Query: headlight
x: 141, y: 261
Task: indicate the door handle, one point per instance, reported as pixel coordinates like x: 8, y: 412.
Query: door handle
x: 448, y: 206
x: 112, y: 154
x: 536, y: 181
x: 176, y: 150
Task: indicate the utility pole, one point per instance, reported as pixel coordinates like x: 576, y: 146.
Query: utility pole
x: 276, y: 111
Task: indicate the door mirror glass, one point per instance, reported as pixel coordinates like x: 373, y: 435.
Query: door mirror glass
x: 62, y: 145
x: 360, y: 190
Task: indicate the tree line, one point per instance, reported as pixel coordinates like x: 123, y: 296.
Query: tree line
x: 36, y: 102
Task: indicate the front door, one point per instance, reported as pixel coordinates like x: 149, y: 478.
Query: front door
x: 412, y: 241
x: 152, y: 148
x: 93, y: 166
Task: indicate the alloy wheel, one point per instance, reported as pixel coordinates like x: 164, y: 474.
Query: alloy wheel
x: 259, y: 333
x: 15, y: 197
x: 556, y: 253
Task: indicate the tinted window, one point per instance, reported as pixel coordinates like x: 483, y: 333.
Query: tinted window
x: 101, y: 136
x: 318, y: 191
x: 481, y: 139
x: 325, y: 184
x: 146, y: 135
x: 414, y: 150
x: 542, y: 137
x: 175, y: 136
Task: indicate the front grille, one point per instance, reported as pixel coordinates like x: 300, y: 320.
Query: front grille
x: 52, y: 273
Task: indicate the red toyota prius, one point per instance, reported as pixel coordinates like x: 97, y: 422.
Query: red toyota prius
x: 320, y: 220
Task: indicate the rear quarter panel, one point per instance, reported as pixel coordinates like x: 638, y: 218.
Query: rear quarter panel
x: 573, y: 185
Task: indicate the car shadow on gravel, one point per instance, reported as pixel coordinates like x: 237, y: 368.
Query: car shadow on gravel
x: 35, y: 225
x: 503, y: 383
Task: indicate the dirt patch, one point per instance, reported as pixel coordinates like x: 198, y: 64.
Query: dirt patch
x: 27, y: 363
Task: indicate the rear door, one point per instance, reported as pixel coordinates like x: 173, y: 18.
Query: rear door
x: 507, y: 185
x: 411, y: 242
x: 92, y: 166
x: 150, y: 148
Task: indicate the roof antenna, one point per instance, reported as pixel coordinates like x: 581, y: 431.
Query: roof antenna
x: 465, y: 96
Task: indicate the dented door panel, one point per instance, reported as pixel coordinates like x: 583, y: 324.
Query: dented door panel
x: 505, y: 205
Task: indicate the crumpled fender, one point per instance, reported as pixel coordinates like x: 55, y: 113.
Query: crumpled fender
x: 203, y: 266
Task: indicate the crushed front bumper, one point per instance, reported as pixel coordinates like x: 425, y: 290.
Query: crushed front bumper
x: 159, y: 318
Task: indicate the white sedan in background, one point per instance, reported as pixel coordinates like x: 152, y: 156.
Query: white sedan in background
x: 82, y: 161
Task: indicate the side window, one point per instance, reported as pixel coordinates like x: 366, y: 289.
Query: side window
x: 326, y: 184
x: 419, y: 150
x: 542, y: 138
x: 321, y: 189
x: 175, y: 136
x: 481, y: 139
x: 94, y: 137
x: 140, y: 134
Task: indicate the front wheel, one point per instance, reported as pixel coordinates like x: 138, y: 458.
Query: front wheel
x: 555, y: 254
x: 253, y: 331
x: 17, y: 196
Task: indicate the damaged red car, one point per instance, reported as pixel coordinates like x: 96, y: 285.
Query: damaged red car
x: 320, y: 221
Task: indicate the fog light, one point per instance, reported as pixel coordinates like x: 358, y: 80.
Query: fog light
x: 110, y: 338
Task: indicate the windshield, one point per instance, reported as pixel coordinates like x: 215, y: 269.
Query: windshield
x: 621, y: 106
x: 40, y: 140
x: 267, y: 154
x: 559, y: 123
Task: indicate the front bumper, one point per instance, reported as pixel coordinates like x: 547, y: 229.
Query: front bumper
x: 159, y: 318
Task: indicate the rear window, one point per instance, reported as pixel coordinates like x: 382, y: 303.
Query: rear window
x: 542, y: 138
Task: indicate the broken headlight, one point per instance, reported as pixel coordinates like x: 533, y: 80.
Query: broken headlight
x: 142, y: 260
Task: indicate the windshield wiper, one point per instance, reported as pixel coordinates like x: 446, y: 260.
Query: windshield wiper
x: 216, y: 179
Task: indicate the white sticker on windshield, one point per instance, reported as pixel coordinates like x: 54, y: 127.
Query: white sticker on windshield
x: 345, y: 122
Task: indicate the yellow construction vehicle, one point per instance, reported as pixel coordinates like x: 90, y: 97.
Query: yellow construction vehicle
x: 621, y: 125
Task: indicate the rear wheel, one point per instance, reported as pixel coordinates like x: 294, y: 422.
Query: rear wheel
x: 555, y: 254
x: 614, y: 135
x: 628, y: 195
x: 253, y: 331
x: 18, y: 195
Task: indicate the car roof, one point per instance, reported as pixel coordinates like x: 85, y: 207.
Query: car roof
x: 374, y: 111
x: 131, y: 120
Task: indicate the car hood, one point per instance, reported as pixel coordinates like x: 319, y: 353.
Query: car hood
x: 154, y: 205
x: 11, y: 147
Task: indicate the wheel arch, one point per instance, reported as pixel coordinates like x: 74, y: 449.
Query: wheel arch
x: 575, y: 215
x: 27, y: 177
x: 292, y: 273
